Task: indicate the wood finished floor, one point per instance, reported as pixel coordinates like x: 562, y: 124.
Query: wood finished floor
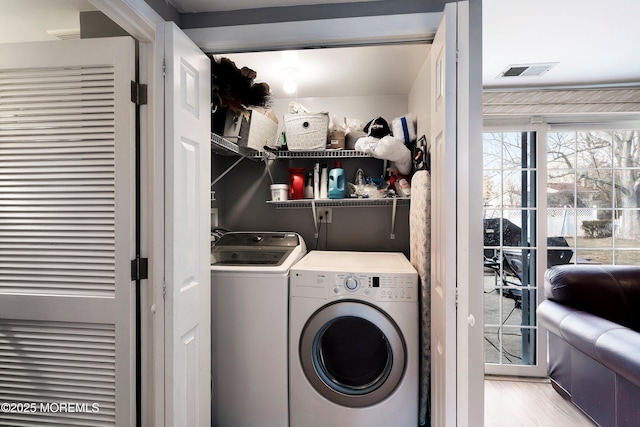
x: 528, y: 403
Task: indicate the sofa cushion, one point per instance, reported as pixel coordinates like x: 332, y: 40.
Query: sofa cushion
x: 618, y: 349
x: 608, y: 291
x: 582, y: 330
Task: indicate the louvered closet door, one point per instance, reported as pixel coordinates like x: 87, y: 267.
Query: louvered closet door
x: 66, y: 233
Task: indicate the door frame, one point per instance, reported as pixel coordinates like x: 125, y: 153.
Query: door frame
x: 147, y: 27
x: 470, y: 314
x: 458, y: 382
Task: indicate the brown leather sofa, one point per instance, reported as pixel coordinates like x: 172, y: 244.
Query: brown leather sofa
x: 592, y: 313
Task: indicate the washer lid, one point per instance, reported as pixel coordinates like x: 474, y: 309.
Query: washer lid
x: 251, y: 248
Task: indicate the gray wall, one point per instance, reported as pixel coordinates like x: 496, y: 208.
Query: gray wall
x: 267, y: 15
x: 165, y: 10
x: 95, y: 24
x: 241, y: 198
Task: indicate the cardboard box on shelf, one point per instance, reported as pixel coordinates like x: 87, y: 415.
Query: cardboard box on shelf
x: 336, y: 140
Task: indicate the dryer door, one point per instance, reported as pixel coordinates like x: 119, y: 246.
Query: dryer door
x: 352, y: 353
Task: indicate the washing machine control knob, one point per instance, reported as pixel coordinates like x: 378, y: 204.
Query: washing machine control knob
x: 351, y: 283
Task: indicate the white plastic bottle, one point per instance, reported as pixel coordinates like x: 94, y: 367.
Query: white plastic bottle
x: 316, y: 181
x: 403, y: 188
x: 308, y: 188
x: 324, y: 182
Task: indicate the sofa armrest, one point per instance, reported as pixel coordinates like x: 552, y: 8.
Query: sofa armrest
x: 612, y: 345
x: 551, y: 314
x: 578, y: 328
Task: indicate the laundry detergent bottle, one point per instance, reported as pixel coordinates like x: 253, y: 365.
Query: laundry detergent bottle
x: 337, y: 185
x: 296, y: 183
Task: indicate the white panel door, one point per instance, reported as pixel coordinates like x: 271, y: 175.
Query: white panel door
x: 443, y: 222
x: 67, y: 228
x: 187, y: 263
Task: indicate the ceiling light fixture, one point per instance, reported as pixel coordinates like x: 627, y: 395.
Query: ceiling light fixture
x: 290, y: 84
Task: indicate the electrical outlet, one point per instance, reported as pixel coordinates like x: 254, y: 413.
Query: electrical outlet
x: 323, y: 215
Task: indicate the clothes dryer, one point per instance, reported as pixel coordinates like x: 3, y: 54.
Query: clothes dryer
x: 249, y: 315
x: 353, y: 343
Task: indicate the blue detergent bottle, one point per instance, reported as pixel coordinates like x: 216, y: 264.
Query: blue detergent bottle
x: 337, y: 184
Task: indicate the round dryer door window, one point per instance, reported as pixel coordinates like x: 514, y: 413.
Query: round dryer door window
x: 352, y: 353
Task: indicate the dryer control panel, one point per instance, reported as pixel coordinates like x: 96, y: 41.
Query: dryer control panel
x: 380, y: 287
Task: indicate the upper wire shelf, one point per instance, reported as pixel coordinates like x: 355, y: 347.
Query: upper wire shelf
x: 223, y: 146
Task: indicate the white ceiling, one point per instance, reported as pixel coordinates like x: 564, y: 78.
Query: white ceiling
x: 354, y: 71
x: 593, y: 42
x: 29, y: 20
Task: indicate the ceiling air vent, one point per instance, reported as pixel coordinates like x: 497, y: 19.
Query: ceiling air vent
x: 68, y: 34
x: 526, y: 70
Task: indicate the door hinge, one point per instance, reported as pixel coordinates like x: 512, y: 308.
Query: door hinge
x: 139, y: 268
x: 164, y: 290
x: 138, y: 93
x: 164, y: 67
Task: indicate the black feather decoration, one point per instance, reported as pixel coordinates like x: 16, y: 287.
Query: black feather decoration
x: 234, y: 88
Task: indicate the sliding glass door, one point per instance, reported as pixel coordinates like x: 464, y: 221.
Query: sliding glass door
x: 553, y: 195
x: 510, y: 247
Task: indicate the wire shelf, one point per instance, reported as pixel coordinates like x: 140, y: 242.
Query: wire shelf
x: 223, y: 146
x: 335, y: 154
x: 339, y: 203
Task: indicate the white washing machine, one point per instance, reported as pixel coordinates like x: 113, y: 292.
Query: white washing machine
x: 249, y: 326
x: 353, y: 343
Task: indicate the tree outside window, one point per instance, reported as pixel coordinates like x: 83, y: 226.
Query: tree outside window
x: 593, y: 193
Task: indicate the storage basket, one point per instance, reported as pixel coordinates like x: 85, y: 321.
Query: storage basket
x: 306, y: 132
x: 260, y: 131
